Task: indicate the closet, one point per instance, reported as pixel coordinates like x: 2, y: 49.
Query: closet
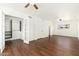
x: 13, y: 27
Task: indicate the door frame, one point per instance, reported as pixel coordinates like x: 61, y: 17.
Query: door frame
x: 2, y: 20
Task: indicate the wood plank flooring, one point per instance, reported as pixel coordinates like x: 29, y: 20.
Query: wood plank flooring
x: 56, y: 46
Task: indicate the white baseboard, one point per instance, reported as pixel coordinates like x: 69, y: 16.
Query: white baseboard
x: 27, y: 42
x: 1, y: 50
x: 11, y: 39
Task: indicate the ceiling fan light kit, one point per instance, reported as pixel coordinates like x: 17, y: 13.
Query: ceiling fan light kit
x: 34, y: 5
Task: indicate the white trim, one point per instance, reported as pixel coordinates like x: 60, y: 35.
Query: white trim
x: 11, y: 39
x: 3, y: 29
x: 27, y: 42
x: 2, y: 49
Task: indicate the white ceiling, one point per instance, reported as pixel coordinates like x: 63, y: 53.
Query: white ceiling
x: 48, y: 11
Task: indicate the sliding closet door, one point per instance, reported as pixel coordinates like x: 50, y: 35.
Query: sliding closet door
x: 16, y: 29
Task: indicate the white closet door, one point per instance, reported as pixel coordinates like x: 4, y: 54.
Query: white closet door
x: 16, y: 34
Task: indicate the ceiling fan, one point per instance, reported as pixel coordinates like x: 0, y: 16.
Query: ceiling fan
x: 34, y: 5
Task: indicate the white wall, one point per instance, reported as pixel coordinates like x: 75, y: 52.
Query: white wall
x: 65, y: 11
x: 26, y: 31
x: 38, y: 28
x: 78, y: 25
x: 72, y: 31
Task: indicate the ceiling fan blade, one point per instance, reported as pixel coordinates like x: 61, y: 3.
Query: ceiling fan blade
x: 35, y: 6
x: 27, y: 5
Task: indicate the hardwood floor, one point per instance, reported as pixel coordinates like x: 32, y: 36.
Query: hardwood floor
x: 56, y: 46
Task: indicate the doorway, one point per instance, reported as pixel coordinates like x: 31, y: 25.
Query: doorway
x: 13, y: 27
